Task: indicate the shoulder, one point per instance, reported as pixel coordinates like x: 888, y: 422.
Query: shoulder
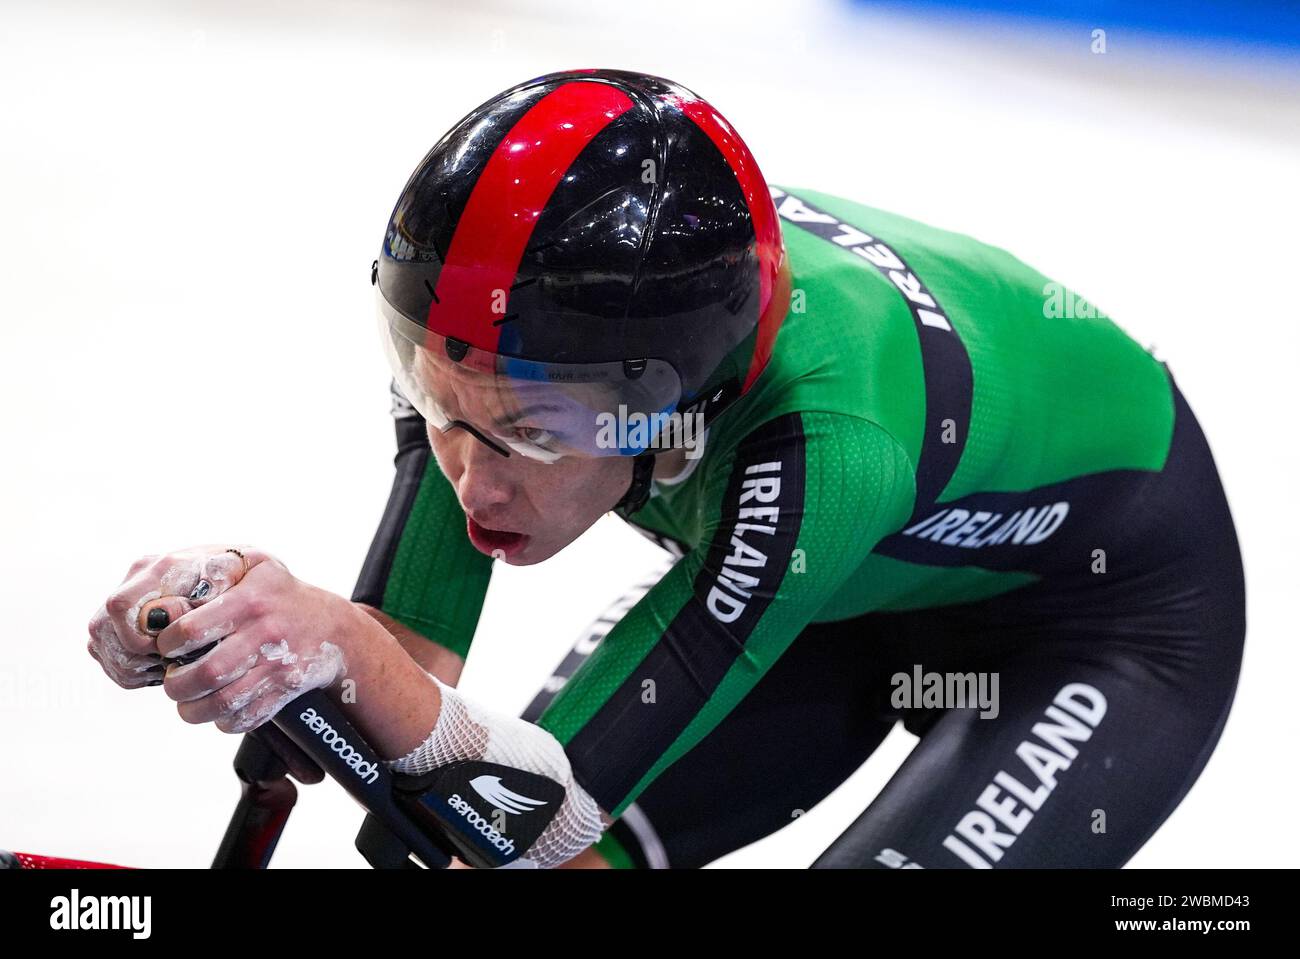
x: 809, y: 458
x: 796, y: 432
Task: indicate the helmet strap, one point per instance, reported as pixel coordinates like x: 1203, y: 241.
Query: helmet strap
x: 643, y: 467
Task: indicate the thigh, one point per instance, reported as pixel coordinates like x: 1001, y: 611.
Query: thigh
x: 1093, y: 745
x: 803, y: 729
x: 1112, y: 694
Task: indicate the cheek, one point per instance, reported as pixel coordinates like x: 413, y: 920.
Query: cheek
x: 442, y: 452
x: 584, y: 490
x: 604, y: 484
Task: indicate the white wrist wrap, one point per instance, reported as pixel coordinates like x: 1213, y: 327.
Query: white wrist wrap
x: 467, y: 731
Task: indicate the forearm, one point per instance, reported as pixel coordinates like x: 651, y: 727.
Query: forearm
x: 385, y: 692
x: 406, y: 715
x: 434, y: 658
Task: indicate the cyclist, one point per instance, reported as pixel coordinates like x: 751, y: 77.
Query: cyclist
x: 875, y: 452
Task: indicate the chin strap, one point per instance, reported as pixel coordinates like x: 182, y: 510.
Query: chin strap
x: 643, y: 467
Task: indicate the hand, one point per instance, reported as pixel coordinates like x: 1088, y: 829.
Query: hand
x: 278, y: 638
x: 120, y: 638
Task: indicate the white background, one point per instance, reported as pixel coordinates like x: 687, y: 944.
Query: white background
x: 190, y: 198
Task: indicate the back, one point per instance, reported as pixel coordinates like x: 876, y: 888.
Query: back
x: 1028, y: 420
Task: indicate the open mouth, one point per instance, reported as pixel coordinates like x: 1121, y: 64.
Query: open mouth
x: 490, y: 541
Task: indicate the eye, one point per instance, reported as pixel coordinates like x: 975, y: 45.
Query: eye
x: 533, y: 434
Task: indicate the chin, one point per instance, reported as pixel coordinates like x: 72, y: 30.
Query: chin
x: 528, y: 557
x: 536, y: 552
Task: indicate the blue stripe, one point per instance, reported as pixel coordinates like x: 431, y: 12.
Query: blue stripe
x: 1266, y: 22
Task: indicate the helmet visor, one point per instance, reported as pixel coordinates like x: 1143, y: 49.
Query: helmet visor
x: 541, y: 410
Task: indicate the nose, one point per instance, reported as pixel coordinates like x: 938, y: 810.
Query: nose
x: 485, y: 482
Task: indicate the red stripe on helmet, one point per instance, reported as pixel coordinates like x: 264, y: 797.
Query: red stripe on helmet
x: 503, y: 208
x: 774, y: 281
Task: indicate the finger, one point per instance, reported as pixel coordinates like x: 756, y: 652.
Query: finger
x: 149, y: 578
x: 200, y: 626
x: 224, y: 569
x: 123, y: 611
x: 259, y: 710
x: 127, y: 669
x: 257, y: 556
x: 226, y: 664
x: 227, y: 567
x: 304, y: 773
x: 193, y: 622
x: 243, y: 705
x: 213, y: 618
x: 139, y: 564
x: 227, y: 699
x: 157, y: 614
x: 205, y: 572
x: 126, y: 673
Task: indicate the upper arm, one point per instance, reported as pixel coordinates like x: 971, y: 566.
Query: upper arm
x: 794, y: 510
x: 421, y: 569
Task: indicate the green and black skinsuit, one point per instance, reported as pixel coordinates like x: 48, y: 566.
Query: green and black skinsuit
x: 951, y: 465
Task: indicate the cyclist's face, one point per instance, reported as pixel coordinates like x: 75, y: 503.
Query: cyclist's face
x: 519, y: 509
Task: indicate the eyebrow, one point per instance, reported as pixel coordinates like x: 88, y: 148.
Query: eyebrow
x: 525, y: 412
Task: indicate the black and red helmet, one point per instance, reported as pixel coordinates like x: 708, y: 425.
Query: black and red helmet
x: 596, y: 220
